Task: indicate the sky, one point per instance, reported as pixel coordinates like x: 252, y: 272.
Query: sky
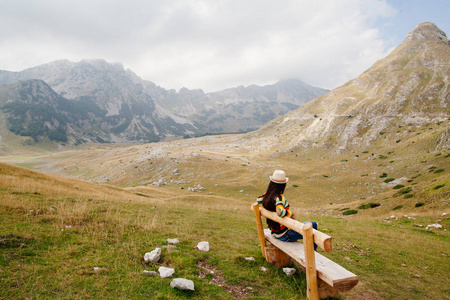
x: 215, y: 44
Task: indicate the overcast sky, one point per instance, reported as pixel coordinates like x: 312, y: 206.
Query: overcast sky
x: 215, y: 44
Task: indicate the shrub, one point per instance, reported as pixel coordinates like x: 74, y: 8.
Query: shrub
x: 389, y: 180
x: 294, y: 185
x: 407, y: 196
x: 439, y: 171
x: 404, y: 191
x: 398, y: 186
x: 369, y: 205
x: 398, y: 207
x: 383, y: 175
x: 419, y: 204
x: 350, y: 212
x: 438, y: 186
x: 382, y: 156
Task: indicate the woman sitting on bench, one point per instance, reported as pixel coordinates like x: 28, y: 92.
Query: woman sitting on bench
x: 273, y: 200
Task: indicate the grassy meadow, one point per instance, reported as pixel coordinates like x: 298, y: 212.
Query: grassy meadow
x: 63, y: 238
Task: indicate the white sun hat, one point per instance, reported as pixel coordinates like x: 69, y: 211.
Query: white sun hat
x: 279, y: 177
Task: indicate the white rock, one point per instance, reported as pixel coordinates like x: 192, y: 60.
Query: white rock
x: 250, y: 258
x: 263, y: 269
x: 444, y: 214
x: 289, y: 271
x: 97, y: 269
x: 153, y: 256
x: 150, y: 273
x: 434, y: 226
x: 182, y: 284
x: 173, y: 241
x: 165, y: 272
x: 203, y: 246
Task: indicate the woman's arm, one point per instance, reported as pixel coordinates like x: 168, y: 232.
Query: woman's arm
x: 282, y: 207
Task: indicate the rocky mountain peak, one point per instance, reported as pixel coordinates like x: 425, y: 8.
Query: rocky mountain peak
x: 427, y: 31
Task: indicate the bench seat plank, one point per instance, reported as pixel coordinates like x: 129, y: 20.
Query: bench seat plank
x: 333, y: 274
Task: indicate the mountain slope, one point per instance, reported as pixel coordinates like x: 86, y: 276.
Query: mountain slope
x: 398, y: 96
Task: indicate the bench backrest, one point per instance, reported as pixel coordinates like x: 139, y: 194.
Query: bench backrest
x: 323, y: 240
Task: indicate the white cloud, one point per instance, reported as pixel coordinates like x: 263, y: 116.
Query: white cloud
x: 201, y: 44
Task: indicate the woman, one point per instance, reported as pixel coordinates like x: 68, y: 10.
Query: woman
x: 273, y: 200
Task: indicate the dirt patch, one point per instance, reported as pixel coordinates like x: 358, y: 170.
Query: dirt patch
x: 211, y: 273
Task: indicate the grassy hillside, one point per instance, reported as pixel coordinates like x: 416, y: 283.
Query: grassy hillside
x: 55, y: 231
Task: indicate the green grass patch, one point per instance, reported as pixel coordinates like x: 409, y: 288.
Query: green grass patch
x: 369, y: 205
x: 407, y: 196
x: 403, y: 191
x: 388, y: 180
x: 419, y: 204
x: 350, y: 212
x: 398, y: 186
x: 384, y: 175
x: 439, y: 171
x: 398, y: 207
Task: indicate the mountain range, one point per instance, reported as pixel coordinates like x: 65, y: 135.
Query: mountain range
x: 97, y: 101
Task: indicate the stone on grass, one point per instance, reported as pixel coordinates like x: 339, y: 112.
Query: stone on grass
x: 173, y: 241
x: 182, y: 284
x: 289, y: 271
x: 153, y: 256
x: 165, y: 272
x: 434, y: 226
x: 203, y: 246
x: 250, y: 258
x: 150, y: 273
x: 263, y: 269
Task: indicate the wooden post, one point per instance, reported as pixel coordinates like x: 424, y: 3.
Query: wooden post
x: 277, y: 258
x: 310, y: 258
x: 262, y: 239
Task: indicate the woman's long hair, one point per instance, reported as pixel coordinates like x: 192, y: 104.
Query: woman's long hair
x: 274, y: 190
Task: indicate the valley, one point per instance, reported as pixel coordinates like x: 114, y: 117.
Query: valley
x: 369, y: 161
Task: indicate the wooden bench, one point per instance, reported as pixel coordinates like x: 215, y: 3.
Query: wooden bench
x: 324, y: 277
